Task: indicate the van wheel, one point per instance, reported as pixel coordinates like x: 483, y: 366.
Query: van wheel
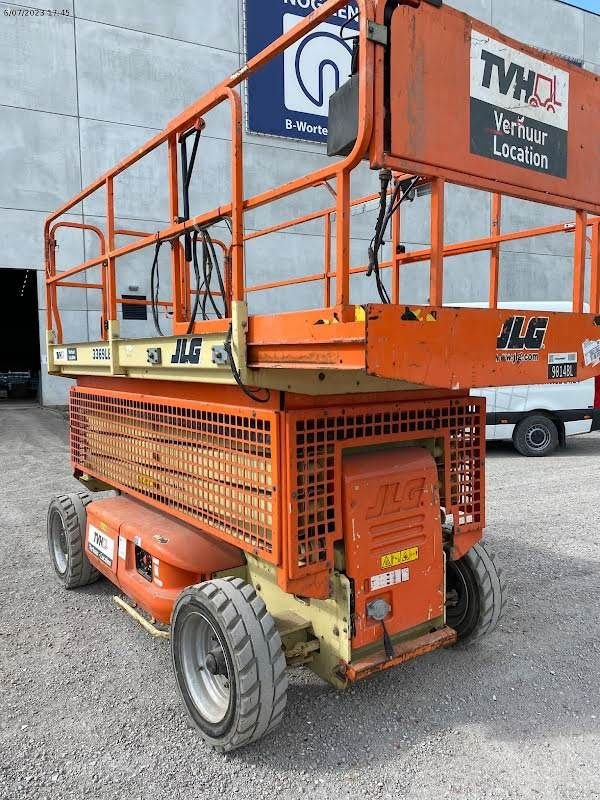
x: 536, y: 435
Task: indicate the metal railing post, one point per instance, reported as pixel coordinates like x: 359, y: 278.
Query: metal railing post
x: 579, y: 260
x: 342, y: 240
x: 436, y: 275
x: 396, y: 226
x: 327, y: 263
x: 495, y: 227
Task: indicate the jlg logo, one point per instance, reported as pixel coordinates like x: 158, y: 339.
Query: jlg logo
x: 540, y: 91
x: 394, y: 497
x: 520, y: 333
x: 187, y: 355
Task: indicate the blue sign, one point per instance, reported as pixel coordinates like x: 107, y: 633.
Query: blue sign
x: 290, y: 95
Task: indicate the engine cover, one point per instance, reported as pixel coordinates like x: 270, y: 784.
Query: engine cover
x: 393, y: 541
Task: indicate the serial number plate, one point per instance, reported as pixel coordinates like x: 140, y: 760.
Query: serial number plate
x: 399, y: 557
x: 556, y: 371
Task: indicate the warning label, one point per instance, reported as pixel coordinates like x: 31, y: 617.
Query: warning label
x: 399, y: 557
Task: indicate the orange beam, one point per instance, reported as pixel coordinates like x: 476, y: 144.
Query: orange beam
x: 496, y: 214
x: 129, y: 232
x: 579, y: 261
x: 396, y: 223
x: 178, y: 283
x: 327, y: 263
x: 76, y: 285
x: 139, y: 302
x: 236, y: 251
x: 436, y: 275
x: 111, y: 278
x: 342, y: 240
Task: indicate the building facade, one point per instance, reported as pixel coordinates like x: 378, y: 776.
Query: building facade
x: 83, y: 87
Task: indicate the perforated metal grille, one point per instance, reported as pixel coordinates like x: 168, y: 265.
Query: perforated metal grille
x: 212, y: 465
x: 318, y: 439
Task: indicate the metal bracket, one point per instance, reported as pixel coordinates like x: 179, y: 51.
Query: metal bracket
x: 377, y: 33
x: 154, y: 355
x: 219, y: 355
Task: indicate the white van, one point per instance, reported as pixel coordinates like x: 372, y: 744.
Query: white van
x: 537, y: 419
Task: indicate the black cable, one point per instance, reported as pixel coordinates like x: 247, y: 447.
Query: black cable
x: 155, y: 288
x: 402, y: 191
x: 385, y: 177
x: 210, y: 264
x: 207, y: 276
x: 238, y: 378
x: 190, y: 166
x: 207, y: 262
x: 407, y: 188
x: 355, y: 18
x: 218, y: 271
x: 387, y: 643
x: 194, y: 313
x: 187, y: 170
x: 355, y: 43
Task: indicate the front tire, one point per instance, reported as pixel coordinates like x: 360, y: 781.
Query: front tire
x: 229, y: 662
x: 536, y: 436
x: 475, y: 594
x: 66, y: 540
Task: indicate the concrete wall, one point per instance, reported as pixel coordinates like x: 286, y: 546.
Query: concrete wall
x: 79, y: 92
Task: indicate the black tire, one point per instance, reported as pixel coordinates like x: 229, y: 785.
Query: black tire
x: 536, y: 436
x: 66, y: 540
x: 248, y: 667
x: 475, y: 594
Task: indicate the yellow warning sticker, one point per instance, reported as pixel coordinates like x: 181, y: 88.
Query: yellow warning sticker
x: 399, y: 557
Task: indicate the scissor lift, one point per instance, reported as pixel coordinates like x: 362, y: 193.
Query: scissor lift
x: 308, y: 487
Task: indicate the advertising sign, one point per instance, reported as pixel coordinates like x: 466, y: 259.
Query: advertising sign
x: 290, y: 95
x: 519, y: 107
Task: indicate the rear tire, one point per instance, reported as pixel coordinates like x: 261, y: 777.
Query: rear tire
x: 229, y: 662
x: 536, y: 436
x: 66, y: 540
x: 475, y: 594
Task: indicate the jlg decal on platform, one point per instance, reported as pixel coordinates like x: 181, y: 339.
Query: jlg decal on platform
x: 101, y: 545
x: 187, y: 351
x: 521, y: 338
x: 519, y: 108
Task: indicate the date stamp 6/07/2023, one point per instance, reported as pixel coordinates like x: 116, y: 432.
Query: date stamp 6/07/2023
x: 18, y: 11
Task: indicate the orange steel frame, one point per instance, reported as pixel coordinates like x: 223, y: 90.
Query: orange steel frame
x: 456, y: 422
x: 370, y: 122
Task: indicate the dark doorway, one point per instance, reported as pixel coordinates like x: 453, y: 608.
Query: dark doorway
x: 19, y: 335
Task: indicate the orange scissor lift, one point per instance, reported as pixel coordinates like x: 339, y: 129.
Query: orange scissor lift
x: 307, y: 487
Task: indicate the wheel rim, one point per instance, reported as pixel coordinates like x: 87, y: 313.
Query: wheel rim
x: 60, y: 549
x: 538, y: 437
x: 205, y: 668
